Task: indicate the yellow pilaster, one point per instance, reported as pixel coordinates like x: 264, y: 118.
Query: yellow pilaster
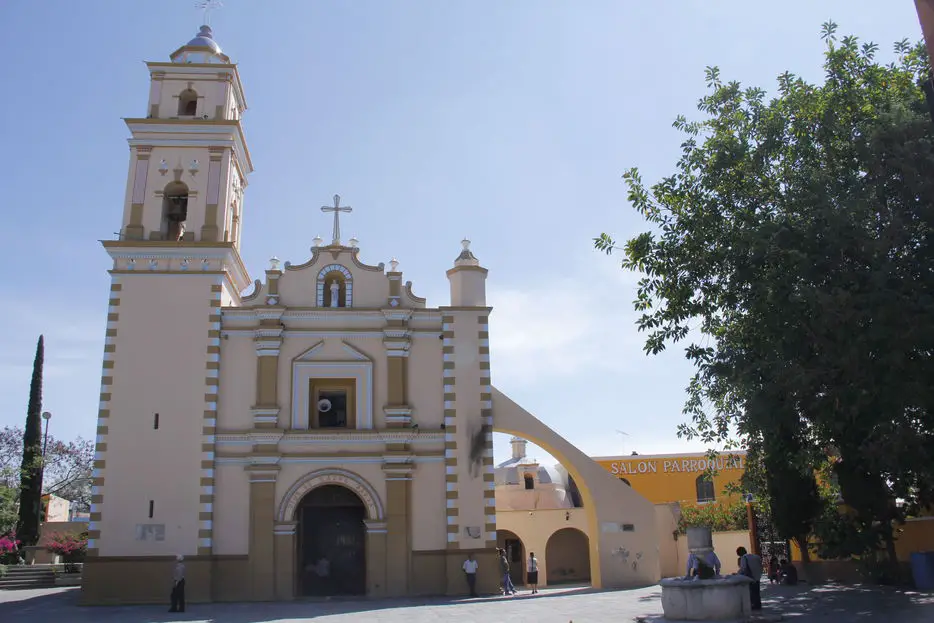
x: 262, y: 554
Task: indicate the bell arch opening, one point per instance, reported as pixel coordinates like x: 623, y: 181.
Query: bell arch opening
x: 174, y: 211
x: 188, y: 103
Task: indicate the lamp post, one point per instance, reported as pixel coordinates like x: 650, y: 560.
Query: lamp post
x: 46, y: 415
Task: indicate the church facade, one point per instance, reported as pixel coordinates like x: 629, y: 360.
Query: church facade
x: 321, y: 431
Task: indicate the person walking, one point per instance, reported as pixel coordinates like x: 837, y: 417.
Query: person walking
x: 508, y: 588
x: 178, y: 585
x: 750, y: 565
x: 532, y: 577
x: 470, y: 572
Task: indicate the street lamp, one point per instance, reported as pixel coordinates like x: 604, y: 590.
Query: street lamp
x: 46, y: 415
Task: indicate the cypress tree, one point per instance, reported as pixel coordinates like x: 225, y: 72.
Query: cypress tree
x: 30, y: 497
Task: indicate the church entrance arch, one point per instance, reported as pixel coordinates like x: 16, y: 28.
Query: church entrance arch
x: 331, y: 540
x: 338, y: 539
x: 567, y: 555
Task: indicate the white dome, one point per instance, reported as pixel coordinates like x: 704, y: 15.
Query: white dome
x: 202, y: 49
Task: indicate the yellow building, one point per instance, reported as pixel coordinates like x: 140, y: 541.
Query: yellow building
x: 682, y: 478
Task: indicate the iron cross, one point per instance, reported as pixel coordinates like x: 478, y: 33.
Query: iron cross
x: 337, y: 209
x: 207, y: 6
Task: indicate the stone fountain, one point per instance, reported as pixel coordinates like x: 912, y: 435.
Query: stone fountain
x: 720, y: 598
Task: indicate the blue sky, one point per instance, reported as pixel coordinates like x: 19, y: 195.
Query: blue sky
x: 509, y: 122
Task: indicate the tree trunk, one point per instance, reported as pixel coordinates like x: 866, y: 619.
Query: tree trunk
x: 30, y: 498
x: 802, y: 542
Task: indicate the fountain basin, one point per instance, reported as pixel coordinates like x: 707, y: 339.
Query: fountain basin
x: 719, y: 599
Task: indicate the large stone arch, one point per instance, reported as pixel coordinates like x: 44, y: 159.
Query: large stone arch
x: 621, y: 524
x: 330, y: 476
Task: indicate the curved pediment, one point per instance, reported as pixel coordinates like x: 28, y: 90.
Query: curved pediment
x: 333, y: 278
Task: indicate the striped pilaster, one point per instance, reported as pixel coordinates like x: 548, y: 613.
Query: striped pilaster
x: 450, y: 432
x: 209, y: 423
x: 486, y: 413
x: 103, y: 418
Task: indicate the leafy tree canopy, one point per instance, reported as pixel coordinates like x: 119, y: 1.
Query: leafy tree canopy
x: 792, y: 249
x: 67, y: 472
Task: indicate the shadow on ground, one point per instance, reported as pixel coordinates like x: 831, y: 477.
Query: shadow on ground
x: 63, y: 605
x: 833, y: 603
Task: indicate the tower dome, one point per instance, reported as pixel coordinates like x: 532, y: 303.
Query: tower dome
x: 201, y: 49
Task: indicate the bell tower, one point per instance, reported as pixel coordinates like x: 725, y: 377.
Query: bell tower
x: 189, y: 161
x: 176, y: 263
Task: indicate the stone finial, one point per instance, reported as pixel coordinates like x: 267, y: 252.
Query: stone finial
x: 466, y: 257
x: 394, y: 265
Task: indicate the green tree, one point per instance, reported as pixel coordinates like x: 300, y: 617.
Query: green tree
x: 30, y: 500
x: 793, y: 249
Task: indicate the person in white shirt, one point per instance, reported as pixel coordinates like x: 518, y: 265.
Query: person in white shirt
x: 532, y: 577
x: 470, y: 572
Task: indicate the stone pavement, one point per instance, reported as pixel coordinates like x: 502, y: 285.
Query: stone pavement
x: 822, y: 604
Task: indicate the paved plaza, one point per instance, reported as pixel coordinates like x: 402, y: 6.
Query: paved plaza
x: 825, y: 604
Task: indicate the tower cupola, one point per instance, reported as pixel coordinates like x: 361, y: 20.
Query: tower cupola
x: 202, y: 49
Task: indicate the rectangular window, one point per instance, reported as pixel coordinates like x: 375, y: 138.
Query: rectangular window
x: 332, y: 409
x: 332, y: 404
x: 152, y: 507
x: 628, y: 527
x: 155, y: 422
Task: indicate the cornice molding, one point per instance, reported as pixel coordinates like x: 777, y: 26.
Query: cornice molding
x: 215, y: 133
x: 183, y: 253
x: 348, y: 438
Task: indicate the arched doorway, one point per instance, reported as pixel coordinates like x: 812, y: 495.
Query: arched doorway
x: 567, y: 557
x: 515, y: 554
x: 331, y: 542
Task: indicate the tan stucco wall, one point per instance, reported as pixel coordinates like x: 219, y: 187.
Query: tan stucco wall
x: 427, y: 512
x: 162, y: 336
x: 237, y: 389
x: 612, y: 502
x: 425, y: 381
x: 543, y: 496
x: 231, y: 510
x: 671, y: 564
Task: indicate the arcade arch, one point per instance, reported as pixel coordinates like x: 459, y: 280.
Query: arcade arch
x: 567, y: 555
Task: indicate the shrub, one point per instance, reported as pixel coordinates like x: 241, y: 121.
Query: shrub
x: 9, y: 550
x: 717, y: 517
x: 72, y: 547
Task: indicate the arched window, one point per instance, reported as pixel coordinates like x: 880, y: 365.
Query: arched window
x: 174, y: 211
x: 625, y: 481
x: 529, y: 480
x: 188, y: 103
x: 705, y: 492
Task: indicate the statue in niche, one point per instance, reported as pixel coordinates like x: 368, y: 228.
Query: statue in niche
x: 335, y: 293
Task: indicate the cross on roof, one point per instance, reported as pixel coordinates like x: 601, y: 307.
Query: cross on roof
x: 337, y: 209
x: 207, y: 6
